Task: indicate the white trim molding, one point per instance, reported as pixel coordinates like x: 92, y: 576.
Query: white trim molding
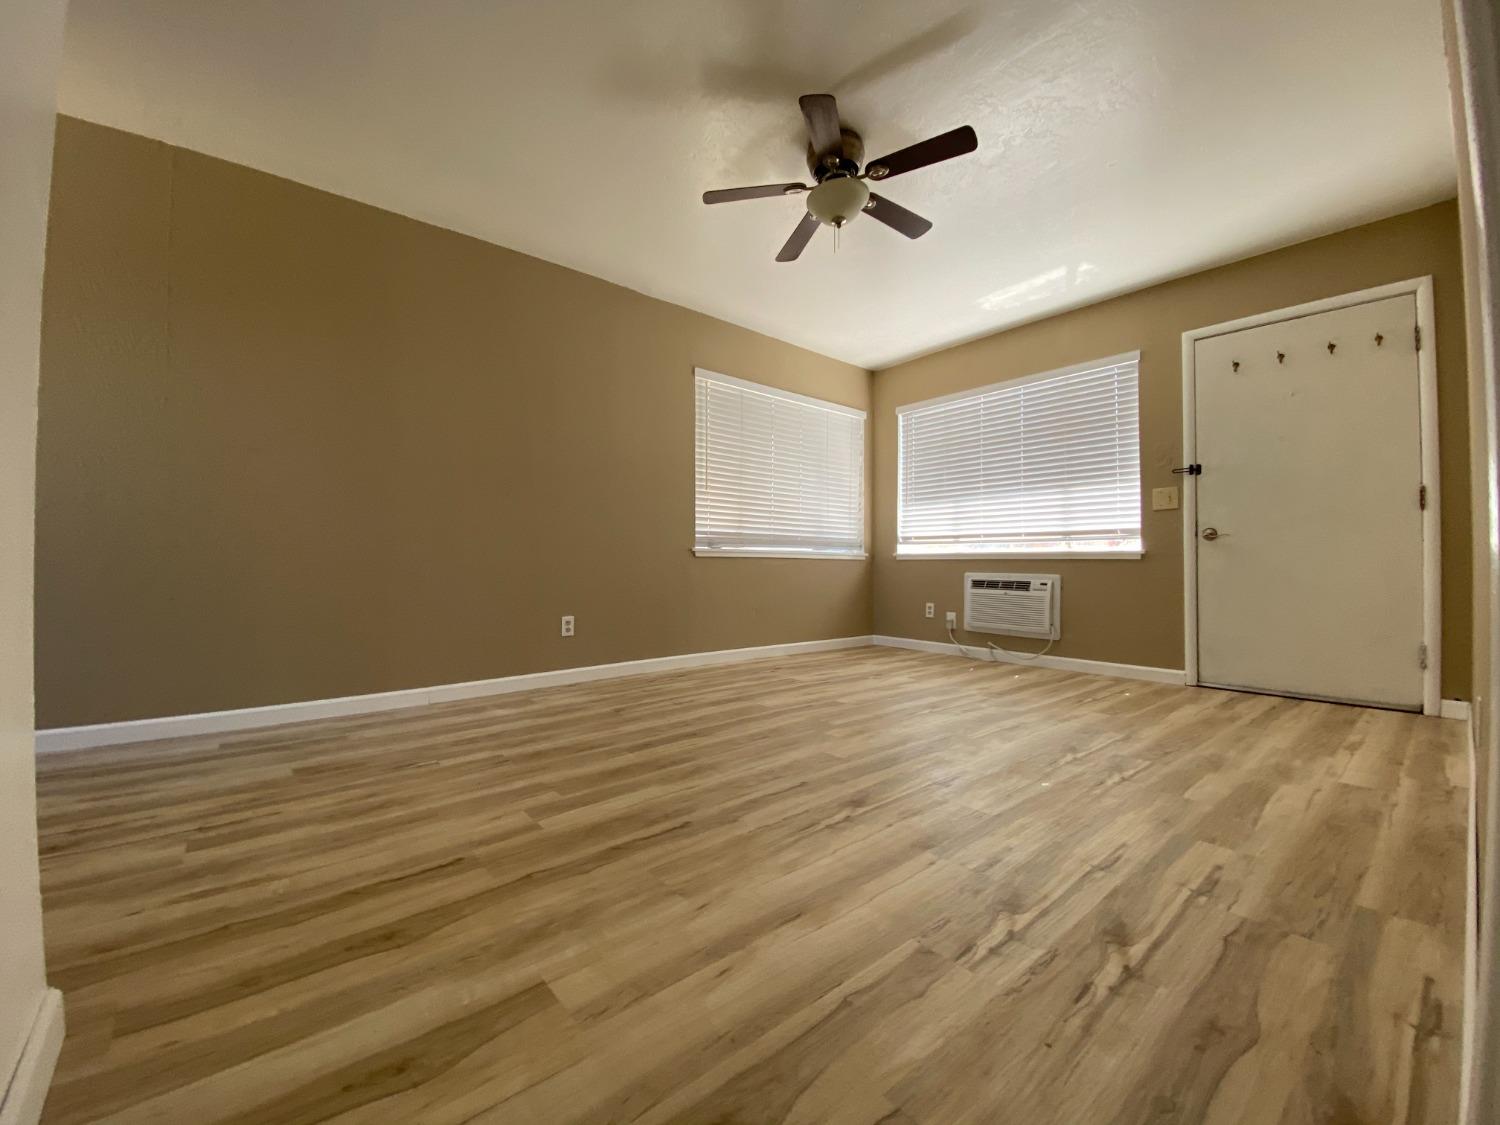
x: 774, y: 553
x: 1472, y: 34
x: 1472, y: 853
x: 1454, y: 709
x: 1041, y: 556
x: 1432, y: 563
x: 1057, y: 663
x: 27, y: 1088
x: 251, y: 718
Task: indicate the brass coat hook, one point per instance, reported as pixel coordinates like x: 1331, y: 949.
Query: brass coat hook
x: 1236, y: 365
x: 1281, y: 357
x: 1379, y: 339
x: 1331, y: 346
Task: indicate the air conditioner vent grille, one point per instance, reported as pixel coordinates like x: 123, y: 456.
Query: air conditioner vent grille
x: 1000, y: 584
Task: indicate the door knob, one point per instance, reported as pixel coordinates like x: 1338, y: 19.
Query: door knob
x: 1210, y: 533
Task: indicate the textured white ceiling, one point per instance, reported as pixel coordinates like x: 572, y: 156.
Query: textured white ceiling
x: 1121, y: 141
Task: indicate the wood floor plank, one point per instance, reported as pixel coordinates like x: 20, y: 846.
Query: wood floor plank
x: 850, y: 887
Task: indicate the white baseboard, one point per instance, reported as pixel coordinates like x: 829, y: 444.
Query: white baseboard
x: 1060, y: 663
x: 27, y: 1089
x: 1454, y: 709
x: 250, y: 718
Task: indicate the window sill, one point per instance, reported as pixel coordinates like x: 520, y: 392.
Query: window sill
x: 756, y: 553
x: 1038, y: 556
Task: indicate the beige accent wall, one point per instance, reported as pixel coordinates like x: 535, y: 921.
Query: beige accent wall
x: 294, y: 447
x: 31, y: 37
x: 1130, y: 611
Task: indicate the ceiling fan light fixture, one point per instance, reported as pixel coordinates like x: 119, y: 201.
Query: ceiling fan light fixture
x: 835, y: 201
x: 834, y: 154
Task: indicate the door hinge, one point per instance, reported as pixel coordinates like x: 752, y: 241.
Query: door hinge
x: 1416, y: 334
x: 1422, y: 657
x: 1422, y: 497
x: 1190, y: 470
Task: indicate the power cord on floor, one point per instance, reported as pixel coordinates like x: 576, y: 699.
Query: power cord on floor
x: 962, y: 650
x: 1024, y: 655
x: 993, y: 648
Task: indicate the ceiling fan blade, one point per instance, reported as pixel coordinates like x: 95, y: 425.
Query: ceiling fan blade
x: 799, y: 240
x: 944, y: 146
x: 730, y: 195
x: 897, y: 217
x: 823, y: 129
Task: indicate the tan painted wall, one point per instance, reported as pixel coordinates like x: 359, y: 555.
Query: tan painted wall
x: 294, y: 447
x: 1130, y: 611
x: 30, y: 56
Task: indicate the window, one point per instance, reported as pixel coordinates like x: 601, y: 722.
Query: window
x: 1046, y: 465
x: 778, y: 473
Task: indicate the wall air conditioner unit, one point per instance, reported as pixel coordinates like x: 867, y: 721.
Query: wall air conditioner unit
x: 1017, y: 605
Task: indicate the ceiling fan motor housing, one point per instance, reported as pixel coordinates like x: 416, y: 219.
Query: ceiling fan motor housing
x: 843, y: 163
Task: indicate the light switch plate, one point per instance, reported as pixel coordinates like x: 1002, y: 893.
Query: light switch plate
x: 1164, y: 499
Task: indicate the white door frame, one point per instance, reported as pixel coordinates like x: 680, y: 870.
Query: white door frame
x: 1432, y: 610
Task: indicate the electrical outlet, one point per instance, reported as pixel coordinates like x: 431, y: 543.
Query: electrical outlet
x: 951, y: 619
x: 567, y: 625
x: 930, y: 608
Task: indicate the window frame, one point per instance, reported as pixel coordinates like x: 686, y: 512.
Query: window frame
x: 787, y: 552
x: 1048, y: 555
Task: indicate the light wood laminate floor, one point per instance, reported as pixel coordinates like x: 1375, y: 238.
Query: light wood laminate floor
x: 851, y: 887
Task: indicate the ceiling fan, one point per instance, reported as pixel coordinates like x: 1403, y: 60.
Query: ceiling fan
x: 834, y: 154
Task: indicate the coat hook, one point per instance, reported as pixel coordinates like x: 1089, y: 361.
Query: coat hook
x: 1236, y: 365
x: 1331, y: 346
x: 1281, y: 357
x: 1379, y: 339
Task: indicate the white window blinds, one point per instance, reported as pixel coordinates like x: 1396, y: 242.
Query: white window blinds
x: 1048, y: 464
x: 777, y: 473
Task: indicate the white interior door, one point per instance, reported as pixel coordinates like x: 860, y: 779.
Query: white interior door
x: 1309, y: 509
